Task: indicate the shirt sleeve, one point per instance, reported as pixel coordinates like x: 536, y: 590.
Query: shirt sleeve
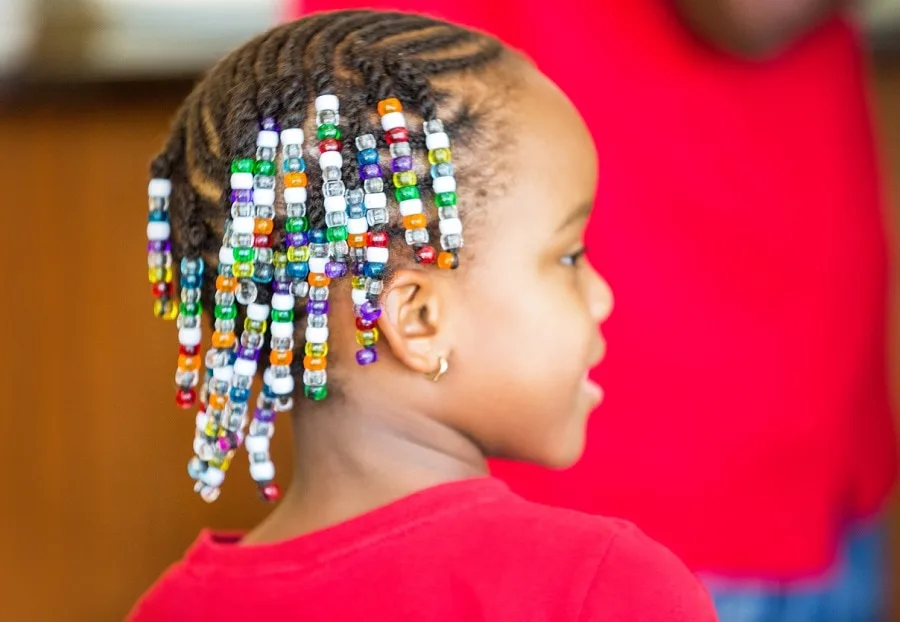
x: 639, y: 580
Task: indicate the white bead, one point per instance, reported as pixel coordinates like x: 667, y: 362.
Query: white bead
x: 376, y: 254
x: 357, y: 225
x: 257, y: 312
x: 226, y: 255
x: 317, y: 264
x: 375, y: 200
x: 392, y: 120
x: 267, y: 138
x: 242, y: 224
x: 316, y: 335
x: 213, y: 476
x: 358, y: 296
x: 262, y: 471
x: 444, y: 184
x: 328, y: 102
x: 245, y: 367
x: 292, y: 136
x: 190, y: 336
x: 439, y: 140
x: 256, y: 444
x: 224, y: 373
x: 158, y: 231
x: 159, y: 188
x: 282, y: 329
x: 282, y: 302
x: 282, y: 386
x: 210, y: 493
x: 331, y: 158
x: 264, y: 196
x: 451, y: 226
x: 410, y: 207
x: 335, y: 204
x: 201, y: 420
x: 199, y: 445
x: 241, y: 181
x: 295, y: 195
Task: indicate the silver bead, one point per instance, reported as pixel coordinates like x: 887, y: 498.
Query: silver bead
x: 366, y: 141
x: 434, y: 126
x: 331, y: 173
x: 355, y: 196
x: 217, y: 358
x: 246, y: 292
x: 451, y: 242
x: 264, y: 255
x: 241, y: 381
x: 399, y: 150
x: 374, y: 287
x: 262, y: 428
x: 318, y: 293
x: 292, y: 151
x: 252, y: 340
x: 335, y: 219
x: 225, y: 326
x: 373, y: 185
x: 329, y: 117
x: 317, y: 321
x: 188, y: 321
x: 265, y: 211
x: 265, y: 153
x: 295, y: 210
x: 264, y: 182
x: 242, y: 240
x: 315, y: 378
x: 159, y: 203
x: 219, y: 387
x: 190, y: 294
x: 450, y: 211
x: 377, y: 216
x: 417, y: 236
x: 333, y: 189
x: 299, y: 288
x: 186, y: 379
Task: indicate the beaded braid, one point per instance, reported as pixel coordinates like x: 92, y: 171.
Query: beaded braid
x: 365, y: 58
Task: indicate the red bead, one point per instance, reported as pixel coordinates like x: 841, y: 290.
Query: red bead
x: 397, y: 135
x: 329, y: 144
x: 188, y: 350
x: 161, y: 288
x: 270, y: 492
x: 378, y: 238
x: 426, y: 254
x: 363, y: 324
x: 186, y: 398
x: 261, y: 241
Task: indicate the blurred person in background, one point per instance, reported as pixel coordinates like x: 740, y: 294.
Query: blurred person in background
x: 747, y: 424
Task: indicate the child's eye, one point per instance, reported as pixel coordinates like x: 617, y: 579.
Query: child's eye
x: 572, y: 260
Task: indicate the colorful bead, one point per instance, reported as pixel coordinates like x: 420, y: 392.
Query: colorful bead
x: 391, y: 104
x: 439, y: 156
x: 406, y: 193
x: 397, y: 135
x: 366, y: 356
x: 448, y: 260
x: 426, y: 255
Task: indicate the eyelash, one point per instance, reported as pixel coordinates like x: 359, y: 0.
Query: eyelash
x: 572, y: 260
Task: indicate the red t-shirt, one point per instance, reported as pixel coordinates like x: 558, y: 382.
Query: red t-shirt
x: 739, y: 222
x: 460, y: 552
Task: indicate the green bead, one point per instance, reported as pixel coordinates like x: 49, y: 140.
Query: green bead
x: 316, y: 394
x: 242, y: 254
x: 242, y: 165
x: 191, y: 308
x: 296, y: 225
x: 406, y: 193
x: 445, y: 199
x: 264, y: 167
x: 328, y: 130
x: 282, y: 316
x: 337, y: 234
x: 228, y: 312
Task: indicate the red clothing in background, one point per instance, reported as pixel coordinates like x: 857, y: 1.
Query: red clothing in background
x: 739, y: 223
x: 457, y: 553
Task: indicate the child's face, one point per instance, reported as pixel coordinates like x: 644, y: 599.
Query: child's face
x: 527, y: 316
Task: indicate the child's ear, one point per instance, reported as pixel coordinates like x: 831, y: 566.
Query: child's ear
x: 413, y: 319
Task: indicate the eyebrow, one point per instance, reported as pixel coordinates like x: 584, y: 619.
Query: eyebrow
x: 581, y: 213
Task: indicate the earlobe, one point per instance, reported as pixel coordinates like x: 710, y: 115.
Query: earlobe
x: 412, y: 320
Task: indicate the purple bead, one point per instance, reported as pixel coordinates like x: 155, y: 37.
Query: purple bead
x: 159, y: 246
x: 282, y: 287
x: 369, y: 171
x: 264, y: 414
x: 317, y: 307
x: 369, y: 311
x: 366, y: 356
x: 270, y: 124
x: 335, y: 269
x: 403, y: 163
x: 251, y: 354
x: 244, y: 195
x: 298, y: 238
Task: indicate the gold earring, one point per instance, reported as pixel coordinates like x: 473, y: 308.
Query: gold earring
x: 443, y: 366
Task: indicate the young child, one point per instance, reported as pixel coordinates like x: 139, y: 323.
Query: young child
x: 308, y: 181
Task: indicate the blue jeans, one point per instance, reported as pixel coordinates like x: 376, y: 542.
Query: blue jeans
x: 854, y: 592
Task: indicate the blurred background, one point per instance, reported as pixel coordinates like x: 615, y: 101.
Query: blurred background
x: 95, y: 498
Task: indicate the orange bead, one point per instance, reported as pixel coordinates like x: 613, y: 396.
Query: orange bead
x: 357, y: 240
x: 217, y: 402
x: 262, y: 226
x: 188, y: 363
x: 295, y: 180
x: 317, y: 279
x: 448, y: 261
x: 391, y: 104
x: 314, y: 363
x: 415, y: 221
x: 222, y: 340
x: 278, y: 357
x: 226, y: 283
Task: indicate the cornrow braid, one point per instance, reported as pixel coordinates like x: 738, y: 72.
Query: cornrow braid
x: 375, y: 65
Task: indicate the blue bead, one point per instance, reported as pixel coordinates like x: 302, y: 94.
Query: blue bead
x: 192, y: 265
x: 298, y: 269
x: 367, y: 156
x: 267, y: 391
x: 158, y: 215
x: 239, y: 395
x: 294, y: 165
x: 373, y: 270
x: 190, y: 281
x: 318, y: 236
x: 444, y: 169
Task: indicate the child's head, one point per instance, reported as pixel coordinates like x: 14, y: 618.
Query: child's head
x: 497, y: 350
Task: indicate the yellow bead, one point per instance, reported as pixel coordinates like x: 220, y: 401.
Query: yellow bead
x: 439, y: 156
x: 159, y: 273
x: 210, y: 428
x: 298, y: 253
x: 316, y: 349
x: 222, y: 464
x: 358, y: 282
x: 367, y: 337
x: 166, y: 310
x: 243, y: 270
x: 279, y: 259
x: 404, y: 178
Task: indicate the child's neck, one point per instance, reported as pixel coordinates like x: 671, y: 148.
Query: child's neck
x: 347, y: 465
